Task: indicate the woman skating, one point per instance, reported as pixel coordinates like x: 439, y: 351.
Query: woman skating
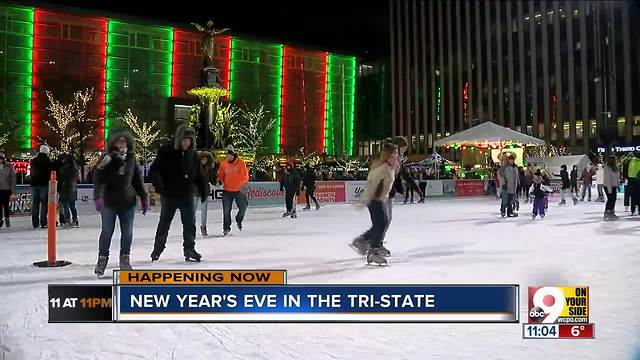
x: 117, y: 182
x: 611, y: 183
x: 309, y: 185
x: 290, y: 184
x: 7, y: 188
x: 68, y: 191
x: 376, y: 194
x: 207, y: 166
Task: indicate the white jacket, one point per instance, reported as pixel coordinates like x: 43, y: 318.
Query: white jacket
x: 379, y: 183
x: 600, y: 174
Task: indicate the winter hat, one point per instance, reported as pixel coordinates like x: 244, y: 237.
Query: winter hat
x: 230, y: 150
x: 44, y: 149
x: 563, y: 167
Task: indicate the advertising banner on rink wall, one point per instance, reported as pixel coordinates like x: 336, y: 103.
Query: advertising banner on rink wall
x: 327, y: 192
x: 470, y: 187
x: 353, y: 190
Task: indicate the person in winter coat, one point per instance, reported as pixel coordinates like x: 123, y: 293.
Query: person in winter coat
x: 7, y: 188
x: 587, y: 180
x: 117, y: 182
x: 290, y: 184
x: 573, y: 177
x: 309, y: 187
x: 422, y: 184
x: 233, y: 175
x: 41, y: 167
x: 402, y: 145
x: 538, y: 196
x: 207, y: 166
x: 546, y: 180
x: 68, y: 190
x: 509, y: 183
x: 631, y: 173
x: 175, y: 173
x: 528, y: 174
x: 379, y: 183
x: 611, y: 183
x: 600, y: 181
x: 566, y: 184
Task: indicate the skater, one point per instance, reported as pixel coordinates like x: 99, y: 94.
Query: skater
x: 633, y: 182
x: 207, y: 166
x: 290, y: 184
x: 538, y: 196
x: 409, y: 185
x: 546, y: 181
x: 379, y: 183
x: 7, y: 188
x: 422, y: 184
x: 117, y: 183
x: 611, y: 182
x: 234, y: 177
x: 41, y: 167
x: 175, y: 173
x: 566, y: 185
x: 509, y: 183
x: 528, y: 175
x: 68, y: 190
x: 401, y: 145
x: 573, y: 177
x: 587, y: 181
x: 309, y: 187
x: 599, y: 182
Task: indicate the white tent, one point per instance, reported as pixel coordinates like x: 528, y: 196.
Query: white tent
x: 553, y: 163
x: 489, y: 133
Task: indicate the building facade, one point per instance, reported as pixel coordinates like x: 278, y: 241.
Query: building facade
x: 149, y: 67
x: 564, y: 71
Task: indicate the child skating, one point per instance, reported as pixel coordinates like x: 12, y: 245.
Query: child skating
x: 538, y: 196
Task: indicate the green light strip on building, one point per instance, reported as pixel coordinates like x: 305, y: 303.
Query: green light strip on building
x: 353, y: 103
x: 108, y: 79
x: 231, y: 66
x: 278, y: 104
x: 29, y: 80
x: 329, y: 133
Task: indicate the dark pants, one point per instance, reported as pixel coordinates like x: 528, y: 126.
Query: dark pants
x: 611, y: 199
x: 5, y: 195
x: 227, y: 204
x: 379, y: 224
x: 69, y: 211
x: 290, y: 197
x: 39, y: 206
x: 168, y: 207
x: 408, y: 191
x: 586, y: 188
x: 538, y: 206
x: 627, y: 194
x: 574, y: 188
x: 125, y: 217
x: 309, y: 194
x: 507, y: 202
x: 634, y: 193
x: 423, y: 187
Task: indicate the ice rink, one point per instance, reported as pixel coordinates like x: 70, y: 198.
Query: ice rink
x: 443, y: 241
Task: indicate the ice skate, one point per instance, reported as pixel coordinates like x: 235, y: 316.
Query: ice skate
x: 125, y: 262
x: 359, y: 245
x: 374, y: 256
x: 541, y: 216
x: 294, y: 214
x: 203, y: 230
x: 563, y: 202
x: 308, y: 207
x: 7, y: 222
x: 512, y: 215
x: 75, y: 224
x: 155, y: 254
x: 318, y: 206
x: 384, y: 251
x: 226, y: 232
x: 286, y: 214
x: 575, y: 201
x: 421, y: 201
x: 101, y: 265
x: 239, y: 224
x: 503, y: 214
x: 192, y: 255
x: 533, y: 216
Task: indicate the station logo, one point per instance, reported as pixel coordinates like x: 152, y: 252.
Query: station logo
x: 558, y: 304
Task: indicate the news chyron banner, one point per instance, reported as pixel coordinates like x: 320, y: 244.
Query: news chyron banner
x: 558, y: 312
x: 264, y: 296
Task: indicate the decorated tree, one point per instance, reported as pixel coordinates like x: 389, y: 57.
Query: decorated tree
x: 7, y: 127
x: 225, y: 124
x: 252, y: 131
x: 264, y: 167
x: 144, y: 133
x: 546, y: 151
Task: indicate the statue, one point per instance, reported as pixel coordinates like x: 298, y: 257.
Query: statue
x: 211, y: 77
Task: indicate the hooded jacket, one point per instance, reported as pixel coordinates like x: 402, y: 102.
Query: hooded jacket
x: 290, y: 181
x: 176, y: 172
x: 208, y: 173
x: 67, y: 178
x: 309, y: 180
x: 41, y: 167
x: 118, y: 180
x: 564, y: 175
x: 7, y: 177
x: 234, y: 174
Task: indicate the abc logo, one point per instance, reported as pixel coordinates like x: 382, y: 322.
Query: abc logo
x: 537, y: 314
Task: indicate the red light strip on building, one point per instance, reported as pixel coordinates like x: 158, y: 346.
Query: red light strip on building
x: 102, y: 96
x: 34, y: 81
x: 227, y: 79
x: 324, y: 104
x: 283, y: 97
x: 173, y: 63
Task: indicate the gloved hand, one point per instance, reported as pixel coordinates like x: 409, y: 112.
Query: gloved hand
x: 99, y: 205
x: 144, y: 204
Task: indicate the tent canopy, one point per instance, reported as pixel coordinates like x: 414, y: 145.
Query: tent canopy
x: 430, y: 160
x: 489, y: 133
x: 554, y: 163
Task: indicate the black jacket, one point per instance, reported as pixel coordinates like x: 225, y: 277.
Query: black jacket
x: 117, y: 181
x: 564, y: 175
x: 67, y: 179
x: 41, y: 167
x: 574, y: 176
x: 290, y: 181
x: 174, y: 172
x: 309, y: 179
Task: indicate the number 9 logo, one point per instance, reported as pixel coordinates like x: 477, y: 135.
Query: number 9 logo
x: 551, y: 301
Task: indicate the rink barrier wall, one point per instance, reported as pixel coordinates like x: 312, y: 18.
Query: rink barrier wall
x: 267, y: 194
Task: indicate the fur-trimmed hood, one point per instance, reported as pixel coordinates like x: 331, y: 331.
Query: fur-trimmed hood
x: 114, y: 135
x: 184, y: 131
x: 208, y: 156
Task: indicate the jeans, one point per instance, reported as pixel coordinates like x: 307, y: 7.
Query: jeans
x: 309, y: 194
x: 586, y: 188
x: 600, y: 192
x: 168, y: 207
x: 379, y: 223
x: 611, y: 200
x: 125, y: 216
x: 507, y: 202
x: 204, y: 208
x: 538, y: 206
x: 39, y: 206
x: 289, y: 197
x: 5, y: 195
x: 69, y: 211
x: 227, y: 204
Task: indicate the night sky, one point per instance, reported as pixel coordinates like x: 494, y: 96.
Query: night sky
x: 348, y: 26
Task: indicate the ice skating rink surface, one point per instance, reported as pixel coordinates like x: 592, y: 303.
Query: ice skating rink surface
x: 442, y: 241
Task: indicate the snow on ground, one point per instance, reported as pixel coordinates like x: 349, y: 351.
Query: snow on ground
x: 443, y: 241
